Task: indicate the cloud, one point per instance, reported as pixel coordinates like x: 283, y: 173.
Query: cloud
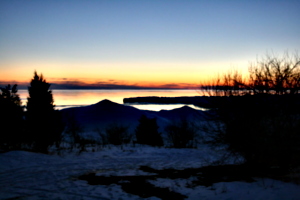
x: 179, y: 86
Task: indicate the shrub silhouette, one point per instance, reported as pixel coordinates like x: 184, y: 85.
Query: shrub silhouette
x: 259, y: 117
x: 44, y: 124
x: 181, y: 134
x: 147, y: 132
x: 11, y: 118
x: 116, y: 134
x: 73, y: 131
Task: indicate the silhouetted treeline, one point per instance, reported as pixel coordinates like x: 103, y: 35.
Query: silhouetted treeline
x: 36, y: 129
x: 259, y: 117
x: 11, y: 118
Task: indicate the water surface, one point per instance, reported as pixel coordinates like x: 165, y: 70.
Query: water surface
x: 74, y: 98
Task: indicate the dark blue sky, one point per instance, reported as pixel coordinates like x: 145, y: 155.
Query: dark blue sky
x: 141, y: 42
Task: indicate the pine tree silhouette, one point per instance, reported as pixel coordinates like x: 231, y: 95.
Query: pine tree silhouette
x: 44, y: 122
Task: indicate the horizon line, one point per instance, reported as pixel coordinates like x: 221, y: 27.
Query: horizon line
x: 55, y: 86
x: 104, y: 85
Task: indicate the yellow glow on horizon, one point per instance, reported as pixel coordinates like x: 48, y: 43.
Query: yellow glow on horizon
x: 141, y: 74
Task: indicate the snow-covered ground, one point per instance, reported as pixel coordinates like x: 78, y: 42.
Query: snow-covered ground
x: 27, y: 175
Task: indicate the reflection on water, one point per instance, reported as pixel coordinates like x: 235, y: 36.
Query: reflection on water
x: 74, y: 98
x: 158, y: 107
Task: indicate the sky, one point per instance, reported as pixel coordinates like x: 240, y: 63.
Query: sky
x: 140, y: 43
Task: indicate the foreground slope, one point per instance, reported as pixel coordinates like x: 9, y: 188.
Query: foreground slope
x: 26, y: 175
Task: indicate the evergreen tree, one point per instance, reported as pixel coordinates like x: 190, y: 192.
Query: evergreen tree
x: 44, y: 122
x: 147, y: 132
x: 11, y: 118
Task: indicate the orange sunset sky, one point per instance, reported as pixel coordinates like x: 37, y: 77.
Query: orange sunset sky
x: 139, y: 44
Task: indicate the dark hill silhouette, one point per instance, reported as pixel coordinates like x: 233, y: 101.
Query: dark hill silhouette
x: 184, y: 112
x: 106, y: 112
x: 103, y: 113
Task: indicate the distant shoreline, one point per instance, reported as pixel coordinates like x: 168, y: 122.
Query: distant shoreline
x: 89, y: 88
x: 200, y: 101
